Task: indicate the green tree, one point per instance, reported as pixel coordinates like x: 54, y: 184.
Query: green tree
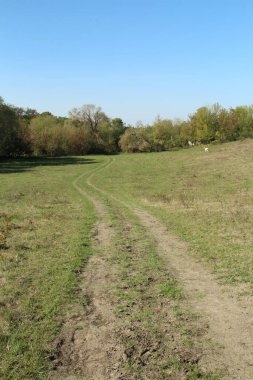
x: 79, y: 137
x: 165, y: 135
x: 242, y: 122
x: 103, y: 133
x: 91, y: 115
x: 200, y: 123
x: 9, y: 131
x: 136, y: 140
x: 118, y: 129
x: 47, y: 136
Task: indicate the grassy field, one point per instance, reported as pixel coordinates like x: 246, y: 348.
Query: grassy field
x: 162, y: 336
x: 46, y: 241
x: 205, y: 198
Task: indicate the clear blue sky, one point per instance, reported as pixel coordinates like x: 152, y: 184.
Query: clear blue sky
x: 134, y: 58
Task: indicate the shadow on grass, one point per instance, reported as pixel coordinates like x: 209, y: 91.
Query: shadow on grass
x: 20, y: 165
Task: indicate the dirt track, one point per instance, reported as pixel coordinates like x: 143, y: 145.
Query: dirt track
x: 89, y: 342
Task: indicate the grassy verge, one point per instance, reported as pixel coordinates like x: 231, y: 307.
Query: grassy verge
x: 45, y: 241
x: 205, y: 198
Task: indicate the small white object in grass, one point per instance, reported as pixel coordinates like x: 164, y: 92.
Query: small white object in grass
x: 206, y: 149
x: 190, y: 143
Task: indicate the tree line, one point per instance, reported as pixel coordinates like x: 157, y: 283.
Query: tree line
x: 25, y: 132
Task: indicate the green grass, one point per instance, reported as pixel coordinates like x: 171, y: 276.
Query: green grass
x: 46, y: 226
x: 205, y: 198
x: 148, y: 303
x: 45, y: 229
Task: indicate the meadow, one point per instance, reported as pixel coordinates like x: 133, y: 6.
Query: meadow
x: 204, y: 198
x: 45, y: 233
x: 47, y: 239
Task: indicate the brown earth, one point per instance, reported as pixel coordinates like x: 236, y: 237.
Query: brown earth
x: 89, y: 344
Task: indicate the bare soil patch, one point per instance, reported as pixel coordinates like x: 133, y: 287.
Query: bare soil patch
x: 88, y: 346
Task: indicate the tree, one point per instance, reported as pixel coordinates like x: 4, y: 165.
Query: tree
x: 103, y: 133
x: 47, y: 136
x: 118, y: 128
x: 129, y: 141
x: 90, y: 115
x: 80, y: 139
x: 9, y: 131
x: 200, y: 123
x: 242, y: 121
x: 136, y: 140
x: 25, y: 114
x: 164, y: 134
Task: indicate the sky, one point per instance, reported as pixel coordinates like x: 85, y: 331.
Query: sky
x: 134, y: 58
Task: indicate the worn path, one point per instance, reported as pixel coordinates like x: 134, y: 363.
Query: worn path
x: 89, y: 344
x: 230, y: 320
x: 92, y: 346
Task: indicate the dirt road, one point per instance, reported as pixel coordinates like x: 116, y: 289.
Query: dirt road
x: 91, y: 344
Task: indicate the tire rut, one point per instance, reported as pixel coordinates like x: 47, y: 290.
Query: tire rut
x: 230, y: 320
x: 88, y: 346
